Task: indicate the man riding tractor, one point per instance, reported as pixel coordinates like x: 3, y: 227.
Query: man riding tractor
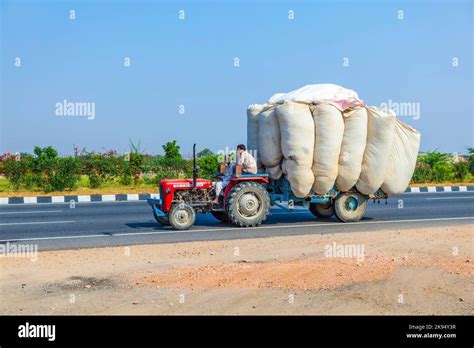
x: 248, y: 166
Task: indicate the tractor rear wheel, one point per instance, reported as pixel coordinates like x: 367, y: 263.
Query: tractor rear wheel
x: 248, y: 204
x: 350, y: 206
x: 322, y: 210
x: 220, y: 215
x: 182, y: 216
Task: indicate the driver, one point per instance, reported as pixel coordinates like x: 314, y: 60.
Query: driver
x: 245, y: 160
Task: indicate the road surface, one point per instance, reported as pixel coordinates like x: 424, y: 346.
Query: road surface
x: 58, y: 226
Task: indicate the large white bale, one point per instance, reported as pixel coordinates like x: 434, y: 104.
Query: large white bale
x: 339, y: 96
x: 269, y: 145
x: 401, y: 166
x: 297, y: 145
x: 352, y: 148
x: 380, y: 135
x: 329, y: 130
x: 252, y: 131
x: 274, y: 172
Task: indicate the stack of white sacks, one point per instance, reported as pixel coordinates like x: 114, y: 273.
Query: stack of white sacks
x: 323, y: 135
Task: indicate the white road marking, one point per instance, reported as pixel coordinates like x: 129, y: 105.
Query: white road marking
x: 32, y: 212
x: 108, y: 198
x: 470, y: 197
x: 36, y: 223
x: 132, y: 197
x: 57, y: 199
x: 30, y: 200
x: 333, y: 224
x: 84, y: 198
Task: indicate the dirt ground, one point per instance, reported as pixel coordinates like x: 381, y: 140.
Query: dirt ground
x: 415, y: 271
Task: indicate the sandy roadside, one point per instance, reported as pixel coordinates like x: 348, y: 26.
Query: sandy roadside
x: 414, y: 271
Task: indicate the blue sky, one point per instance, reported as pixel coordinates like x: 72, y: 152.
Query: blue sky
x: 190, y: 62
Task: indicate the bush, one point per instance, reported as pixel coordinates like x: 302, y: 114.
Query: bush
x: 443, y: 171
x: 15, y: 168
x: 53, y: 173
x: 169, y: 168
x: 208, y: 166
x: 130, y: 168
x: 100, y: 167
x: 461, y: 170
x: 63, y: 175
x: 434, y: 166
x: 423, y: 173
x: 470, y: 163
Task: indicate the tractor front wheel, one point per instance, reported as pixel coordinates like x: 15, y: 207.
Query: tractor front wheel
x: 322, y: 210
x: 182, y: 216
x: 350, y: 206
x: 248, y: 204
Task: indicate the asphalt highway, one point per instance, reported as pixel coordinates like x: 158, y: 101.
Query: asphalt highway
x: 98, y: 224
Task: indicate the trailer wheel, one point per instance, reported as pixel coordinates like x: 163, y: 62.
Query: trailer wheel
x: 322, y: 210
x: 182, y: 216
x: 220, y: 215
x: 162, y: 219
x: 350, y: 206
x: 248, y: 204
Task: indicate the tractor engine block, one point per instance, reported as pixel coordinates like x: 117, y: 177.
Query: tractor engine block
x: 198, y: 199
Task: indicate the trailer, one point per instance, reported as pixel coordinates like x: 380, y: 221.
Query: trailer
x: 246, y: 200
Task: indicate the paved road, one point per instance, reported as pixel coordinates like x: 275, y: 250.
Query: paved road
x: 57, y: 226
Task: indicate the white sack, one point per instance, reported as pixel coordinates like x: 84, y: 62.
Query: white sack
x: 380, y: 134
x: 401, y: 166
x: 297, y: 144
x: 340, y: 97
x: 284, y: 166
x: 352, y: 148
x: 274, y: 172
x: 329, y: 130
x: 300, y: 177
x: 252, y: 131
x: 269, y: 145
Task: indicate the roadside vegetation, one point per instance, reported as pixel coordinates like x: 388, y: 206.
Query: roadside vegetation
x: 45, y: 171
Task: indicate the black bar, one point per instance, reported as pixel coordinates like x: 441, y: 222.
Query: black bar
x: 222, y: 330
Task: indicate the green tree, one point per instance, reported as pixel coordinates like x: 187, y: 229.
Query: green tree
x: 53, y: 173
x: 470, y: 163
x: 171, y: 150
x: 208, y: 166
x: 432, y: 157
x: 204, y: 153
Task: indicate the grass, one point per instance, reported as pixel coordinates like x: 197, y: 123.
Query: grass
x: 7, y: 190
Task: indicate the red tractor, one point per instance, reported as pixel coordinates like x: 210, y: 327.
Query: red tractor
x: 246, y: 200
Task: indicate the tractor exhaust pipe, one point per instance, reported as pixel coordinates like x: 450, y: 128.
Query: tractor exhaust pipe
x: 195, y: 167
